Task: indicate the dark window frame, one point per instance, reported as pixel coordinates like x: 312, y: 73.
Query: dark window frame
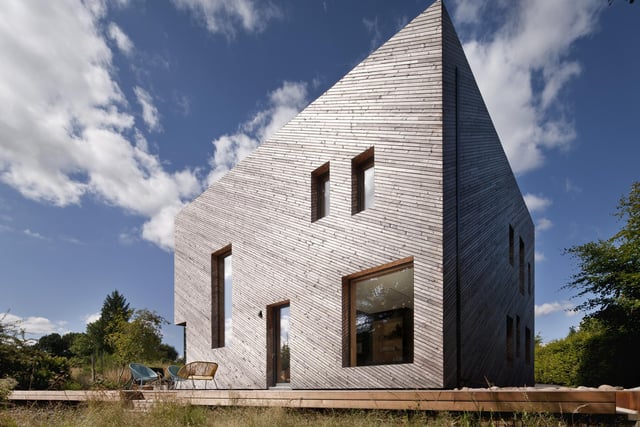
x: 511, y: 245
x: 518, y: 336
x: 359, y: 164
x: 319, y: 178
x: 527, y: 345
x: 521, y: 252
x: 509, y: 339
x: 218, y: 297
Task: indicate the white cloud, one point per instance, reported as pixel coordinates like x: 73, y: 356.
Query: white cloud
x: 468, y: 11
x: 121, y: 40
x: 65, y: 125
x: 570, y: 187
x: 149, y: 111
x: 543, y: 224
x: 225, y: 17
x: 34, y: 325
x: 90, y: 318
x: 374, y: 30
x: 284, y: 103
x: 522, y: 67
x: 539, y: 257
x: 554, y: 307
x: 34, y: 234
x: 536, y: 203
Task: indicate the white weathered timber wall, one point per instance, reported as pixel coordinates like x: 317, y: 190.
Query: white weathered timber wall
x: 393, y: 101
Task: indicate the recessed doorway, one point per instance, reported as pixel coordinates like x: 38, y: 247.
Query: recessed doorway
x: 278, y: 356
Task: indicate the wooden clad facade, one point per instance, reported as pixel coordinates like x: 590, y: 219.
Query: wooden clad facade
x: 445, y: 198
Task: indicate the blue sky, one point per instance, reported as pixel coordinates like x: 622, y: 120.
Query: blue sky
x: 114, y: 114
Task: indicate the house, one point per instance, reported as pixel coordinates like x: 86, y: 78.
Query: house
x: 378, y: 240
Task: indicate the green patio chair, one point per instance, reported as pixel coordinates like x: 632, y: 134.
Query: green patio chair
x: 141, y: 375
x: 172, y: 375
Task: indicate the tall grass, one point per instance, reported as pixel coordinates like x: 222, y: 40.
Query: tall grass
x: 98, y: 414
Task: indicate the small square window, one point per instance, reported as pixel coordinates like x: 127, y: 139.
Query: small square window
x: 320, y: 192
x: 363, y: 182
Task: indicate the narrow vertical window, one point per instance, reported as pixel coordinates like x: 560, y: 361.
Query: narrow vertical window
x: 363, y: 181
x: 517, y: 336
x: 221, y: 294
x: 529, y: 277
x: 509, y: 343
x: 527, y: 345
x: 521, y: 266
x: 320, y: 194
x: 378, y: 315
x: 511, y: 244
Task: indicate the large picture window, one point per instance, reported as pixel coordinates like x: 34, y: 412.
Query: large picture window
x: 221, y: 292
x: 378, y: 315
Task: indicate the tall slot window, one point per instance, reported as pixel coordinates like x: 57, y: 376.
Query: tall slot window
x: 521, y: 266
x: 378, y: 315
x: 509, y: 343
x: 527, y: 345
x: 511, y: 244
x: 320, y: 194
x: 221, y: 292
x: 529, y: 277
x: 363, y: 181
x: 517, y: 336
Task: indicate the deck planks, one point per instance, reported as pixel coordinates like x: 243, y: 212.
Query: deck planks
x: 526, y: 400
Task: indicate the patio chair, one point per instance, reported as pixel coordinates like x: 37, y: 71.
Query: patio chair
x: 172, y: 375
x: 141, y: 375
x: 199, y: 371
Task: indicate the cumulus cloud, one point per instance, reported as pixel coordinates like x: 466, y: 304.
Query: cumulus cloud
x: 522, y: 67
x: 543, y: 224
x: 536, y: 203
x: 121, y: 40
x: 226, y: 17
x: 553, y: 307
x: 65, y: 124
x: 284, y: 103
x: 539, y: 257
x: 33, y: 325
x: 90, y: 318
x: 149, y: 111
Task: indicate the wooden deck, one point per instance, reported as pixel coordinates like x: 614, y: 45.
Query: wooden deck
x: 525, y: 400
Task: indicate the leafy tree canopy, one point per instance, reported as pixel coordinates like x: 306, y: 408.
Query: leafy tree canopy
x: 609, y: 270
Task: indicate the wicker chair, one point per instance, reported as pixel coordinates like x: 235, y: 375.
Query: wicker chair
x: 199, y: 371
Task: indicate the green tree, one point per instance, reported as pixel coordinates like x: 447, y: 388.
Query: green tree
x: 138, y: 340
x: 26, y: 363
x: 608, y: 279
x: 167, y: 353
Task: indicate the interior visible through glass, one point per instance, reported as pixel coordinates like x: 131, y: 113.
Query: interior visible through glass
x: 383, y: 318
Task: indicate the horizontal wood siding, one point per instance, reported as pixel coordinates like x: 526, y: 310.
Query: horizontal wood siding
x: 393, y: 102
x: 446, y: 204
